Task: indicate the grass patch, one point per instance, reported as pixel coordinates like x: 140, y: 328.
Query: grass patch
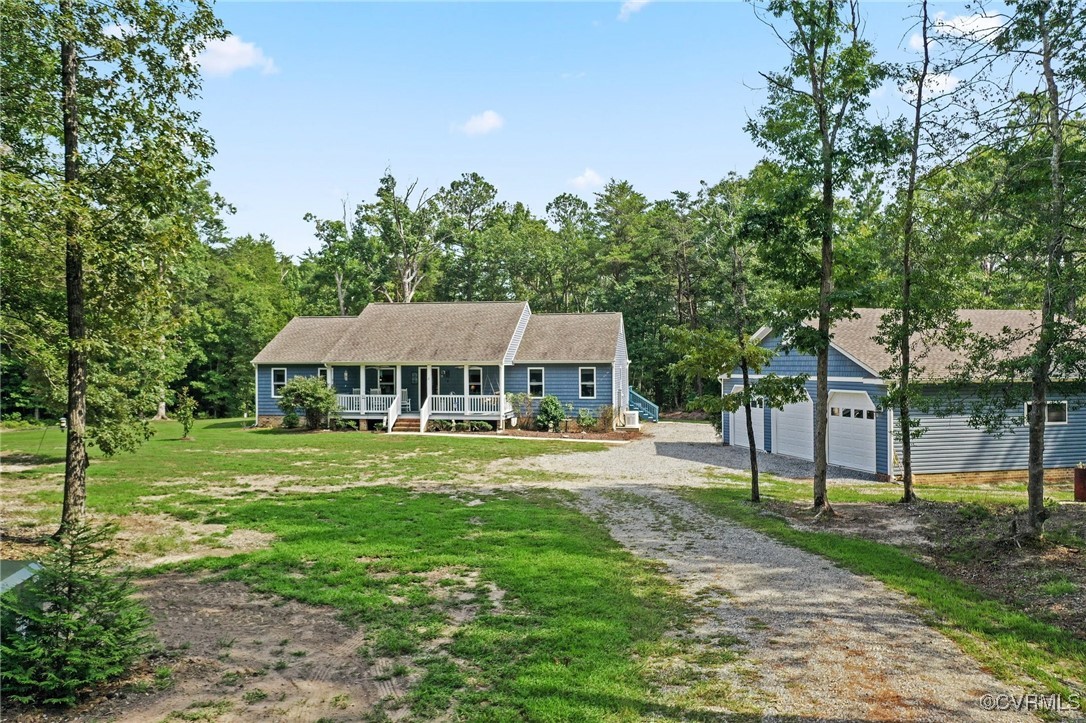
x: 559, y: 646
x: 1011, y: 644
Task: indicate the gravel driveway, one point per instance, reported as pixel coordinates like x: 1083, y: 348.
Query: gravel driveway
x: 680, y: 453
x: 816, y: 642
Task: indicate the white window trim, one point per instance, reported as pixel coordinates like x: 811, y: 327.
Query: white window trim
x: 273, y: 371
x: 471, y: 370
x: 542, y: 381
x: 323, y: 373
x: 580, y: 383
x: 1066, y: 414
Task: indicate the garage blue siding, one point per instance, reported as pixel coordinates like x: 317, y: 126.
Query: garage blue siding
x: 794, y: 362
x: 563, y: 381
x: 949, y: 444
x: 266, y: 405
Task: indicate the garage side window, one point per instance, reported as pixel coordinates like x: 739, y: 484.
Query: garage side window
x: 1057, y: 412
x: 279, y: 380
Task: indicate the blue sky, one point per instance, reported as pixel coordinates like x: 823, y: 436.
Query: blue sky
x: 308, y: 103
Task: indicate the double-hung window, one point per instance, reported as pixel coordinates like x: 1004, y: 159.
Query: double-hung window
x: 475, y: 381
x: 322, y: 374
x: 588, y: 382
x: 535, y: 382
x: 279, y: 380
x: 1056, y: 412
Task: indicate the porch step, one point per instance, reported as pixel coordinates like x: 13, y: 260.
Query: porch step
x: 406, y: 425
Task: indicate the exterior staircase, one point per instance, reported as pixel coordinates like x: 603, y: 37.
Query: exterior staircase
x: 644, y: 407
x: 406, y: 424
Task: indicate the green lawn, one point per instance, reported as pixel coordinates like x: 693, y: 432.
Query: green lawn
x: 225, y: 457
x: 1013, y: 645
x: 565, y: 641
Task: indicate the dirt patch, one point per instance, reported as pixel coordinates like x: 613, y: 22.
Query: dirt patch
x: 975, y: 544
x: 235, y: 655
x: 148, y: 540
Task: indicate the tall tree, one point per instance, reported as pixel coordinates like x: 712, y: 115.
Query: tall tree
x: 406, y: 229
x: 816, y: 122
x: 117, y: 147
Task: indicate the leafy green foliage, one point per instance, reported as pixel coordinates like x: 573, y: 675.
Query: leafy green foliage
x: 72, y: 626
x: 310, y: 394
x: 551, y: 414
x: 184, y: 410
x: 586, y: 420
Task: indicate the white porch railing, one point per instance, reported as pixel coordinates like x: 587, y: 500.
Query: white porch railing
x: 365, y: 403
x: 458, y: 404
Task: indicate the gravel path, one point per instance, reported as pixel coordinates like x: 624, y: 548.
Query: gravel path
x: 818, y: 642
x: 677, y: 453
x: 823, y: 643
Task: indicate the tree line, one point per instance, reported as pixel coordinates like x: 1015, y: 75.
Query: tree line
x: 122, y: 286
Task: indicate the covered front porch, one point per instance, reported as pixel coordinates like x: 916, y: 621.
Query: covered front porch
x: 388, y: 392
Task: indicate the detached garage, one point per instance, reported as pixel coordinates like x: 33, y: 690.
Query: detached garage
x: 860, y: 432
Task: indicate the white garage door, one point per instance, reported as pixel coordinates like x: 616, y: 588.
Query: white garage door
x: 851, y: 434
x: 793, y: 430
x: 739, y: 424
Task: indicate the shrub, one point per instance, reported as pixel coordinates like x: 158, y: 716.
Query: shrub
x: 523, y: 409
x: 585, y: 420
x: 290, y: 419
x: 607, y: 418
x: 184, y: 410
x: 480, y: 426
x: 551, y: 414
x: 73, y: 625
x: 312, y: 396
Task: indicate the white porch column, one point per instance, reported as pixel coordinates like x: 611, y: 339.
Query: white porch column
x: 466, y: 375
x: 399, y: 379
x: 361, y: 389
x: 328, y: 379
x: 501, y: 397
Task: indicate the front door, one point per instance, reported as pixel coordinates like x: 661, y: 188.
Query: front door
x: 424, y: 391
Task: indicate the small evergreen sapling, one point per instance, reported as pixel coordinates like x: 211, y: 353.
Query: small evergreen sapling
x: 72, y: 626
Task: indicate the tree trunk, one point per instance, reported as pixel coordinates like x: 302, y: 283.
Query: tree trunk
x: 160, y: 415
x: 1042, y: 366
x: 822, y: 385
x: 755, y: 492
x: 909, y: 231
x: 75, y: 462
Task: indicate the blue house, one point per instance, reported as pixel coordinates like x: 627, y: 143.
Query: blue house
x: 861, y: 431
x: 405, y: 364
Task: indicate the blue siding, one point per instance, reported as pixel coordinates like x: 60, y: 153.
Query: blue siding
x: 345, y: 379
x: 949, y: 444
x: 266, y: 405
x: 794, y: 362
x: 562, y: 381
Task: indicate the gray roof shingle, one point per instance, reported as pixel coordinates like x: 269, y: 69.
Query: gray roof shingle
x: 305, y: 340
x: 856, y: 338
x: 570, y: 338
x: 453, y: 332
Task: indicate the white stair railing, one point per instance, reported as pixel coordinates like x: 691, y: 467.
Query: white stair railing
x: 393, y: 412
x: 424, y: 414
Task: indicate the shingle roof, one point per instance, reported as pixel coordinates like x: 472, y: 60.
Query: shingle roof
x: 305, y: 340
x: 430, y: 332
x: 855, y: 337
x: 570, y: 337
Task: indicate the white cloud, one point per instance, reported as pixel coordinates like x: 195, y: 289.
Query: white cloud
x: 588, y: 179
x: 630, y: 7
x: 231, y: 54
x: 916, y: 42
x: 978, y: 26
x: 479, y: 125
x: 934, y: 84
